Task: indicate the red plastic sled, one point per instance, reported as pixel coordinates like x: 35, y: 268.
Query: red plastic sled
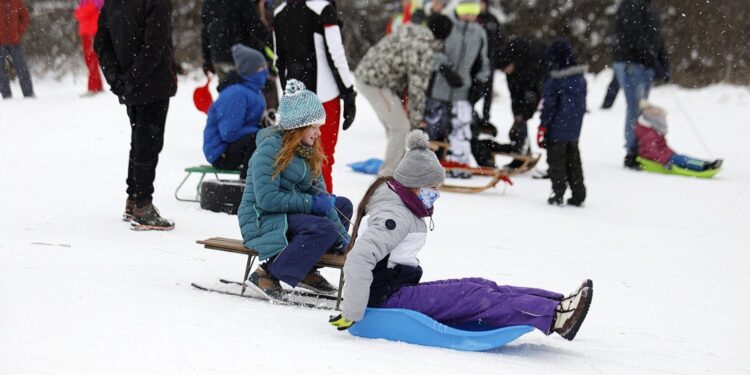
x: 202, y: 97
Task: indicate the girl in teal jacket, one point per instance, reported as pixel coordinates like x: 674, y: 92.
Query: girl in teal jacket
x: 286, y: 214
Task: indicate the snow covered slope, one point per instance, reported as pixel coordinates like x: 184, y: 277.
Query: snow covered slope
x: 82, y: 294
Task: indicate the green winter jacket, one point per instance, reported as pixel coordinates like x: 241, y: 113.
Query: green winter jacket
x: 266, y: 201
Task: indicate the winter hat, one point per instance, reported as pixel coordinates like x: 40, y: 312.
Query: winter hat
x: 559, y: 54
x: 247, y: 60
x: 468, y: 8
x: 653, y: 117
x: 299, y: 107
x: 440, y: 26
x: 420, y: 167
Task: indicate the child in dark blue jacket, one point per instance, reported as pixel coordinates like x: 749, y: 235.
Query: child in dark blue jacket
x: 235, y: 117
x: 564, y: 105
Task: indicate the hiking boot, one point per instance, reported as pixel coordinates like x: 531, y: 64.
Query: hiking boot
x: 148, y: 218
x: 129, y: 210
x: 555, y: 200
x: 631, y: 163
x: 317, y: 283
x: 265, y: 285
x: 571, y: 312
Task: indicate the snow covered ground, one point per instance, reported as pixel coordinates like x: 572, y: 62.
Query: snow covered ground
x: 82, y: 294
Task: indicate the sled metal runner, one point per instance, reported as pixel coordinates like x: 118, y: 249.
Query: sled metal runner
x: 291, y: 298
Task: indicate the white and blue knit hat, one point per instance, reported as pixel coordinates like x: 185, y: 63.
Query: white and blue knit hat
x: 299, y: 107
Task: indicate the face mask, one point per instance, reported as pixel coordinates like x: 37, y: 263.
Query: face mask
x: 428, y: 196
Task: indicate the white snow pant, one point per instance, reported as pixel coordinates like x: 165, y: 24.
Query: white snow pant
x: 390, y: 111
x: 460, y: 136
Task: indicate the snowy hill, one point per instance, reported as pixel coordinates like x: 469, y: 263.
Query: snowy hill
x: 82, y: 294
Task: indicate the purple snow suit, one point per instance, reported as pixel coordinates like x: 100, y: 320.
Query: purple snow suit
x: 459, y: 302
x: 393, y: 234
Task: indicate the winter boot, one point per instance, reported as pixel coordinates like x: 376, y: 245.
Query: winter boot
x: 571, y: 312
x: 630, y: 162
x: 148, y: 218
x: 555, y: 200
x: 265, y: 285
x: 129, y: 210
x: 585, y: 284
x: 459, y: 174
x: 716, y: 164
x: 317, y: 283
x: 575, y: 202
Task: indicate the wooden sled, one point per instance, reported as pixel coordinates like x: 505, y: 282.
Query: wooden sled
x: 496, y: 174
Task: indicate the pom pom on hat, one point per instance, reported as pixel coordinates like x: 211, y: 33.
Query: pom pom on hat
x: 420, y: 167
x: 299, y: 107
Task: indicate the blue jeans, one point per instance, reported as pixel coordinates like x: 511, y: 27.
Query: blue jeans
x: 635, y: 80
x: 687, y: 162
x: 15, y: 52
x: 309, y: 236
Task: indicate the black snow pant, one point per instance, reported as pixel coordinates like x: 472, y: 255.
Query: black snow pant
x: 564, y: 161
x: 237, y: 155
x: 146, y: 141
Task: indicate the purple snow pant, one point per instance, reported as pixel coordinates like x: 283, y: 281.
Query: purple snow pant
x: 309, y: 236
x: 459, y: 302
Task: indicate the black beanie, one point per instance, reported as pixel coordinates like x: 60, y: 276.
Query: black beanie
x: 440, y: 26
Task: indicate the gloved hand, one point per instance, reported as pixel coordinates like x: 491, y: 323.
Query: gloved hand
x: 322, y: 203
x: 208, y: 68
x: 454, y: 80
x: 341, y: 247
x: 340, y: 322
x: 350, y: 108
x: 541, y: 137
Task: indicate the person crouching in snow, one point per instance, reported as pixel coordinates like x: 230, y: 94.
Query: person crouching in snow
x: 234, y: 119
x: 286, y: 214
x: 651, y: 129
x: 563, y: 107
x: 382, y: 269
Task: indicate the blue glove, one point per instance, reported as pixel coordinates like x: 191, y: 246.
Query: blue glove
x: 322, y: 204
x: 341, y: 247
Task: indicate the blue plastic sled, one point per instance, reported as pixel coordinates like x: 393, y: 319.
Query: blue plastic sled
x: 416, y: 328
x: 369, y: 166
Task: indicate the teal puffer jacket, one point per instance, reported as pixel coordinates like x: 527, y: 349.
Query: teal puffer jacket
x: 266, y: 201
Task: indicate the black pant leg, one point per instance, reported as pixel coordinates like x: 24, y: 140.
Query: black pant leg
x: 556, y: 158
x: 487, y: 105
x: 237, y: 155
x: 146, y: 141
x: 517, y: 134
x: 575, y: 172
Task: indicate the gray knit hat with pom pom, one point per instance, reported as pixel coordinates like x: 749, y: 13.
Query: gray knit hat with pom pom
x: 420, y: 167
x: 299, y: 107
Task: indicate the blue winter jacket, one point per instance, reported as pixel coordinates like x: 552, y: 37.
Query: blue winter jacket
x: 564, y: 94
x: 266, y: 201
x: 235, y: 114
x: 564, y: 104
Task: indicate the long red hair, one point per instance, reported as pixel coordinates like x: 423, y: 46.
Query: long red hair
x: 290, y: 139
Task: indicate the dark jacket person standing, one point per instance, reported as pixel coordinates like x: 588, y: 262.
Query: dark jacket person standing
x: 134, y: 45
